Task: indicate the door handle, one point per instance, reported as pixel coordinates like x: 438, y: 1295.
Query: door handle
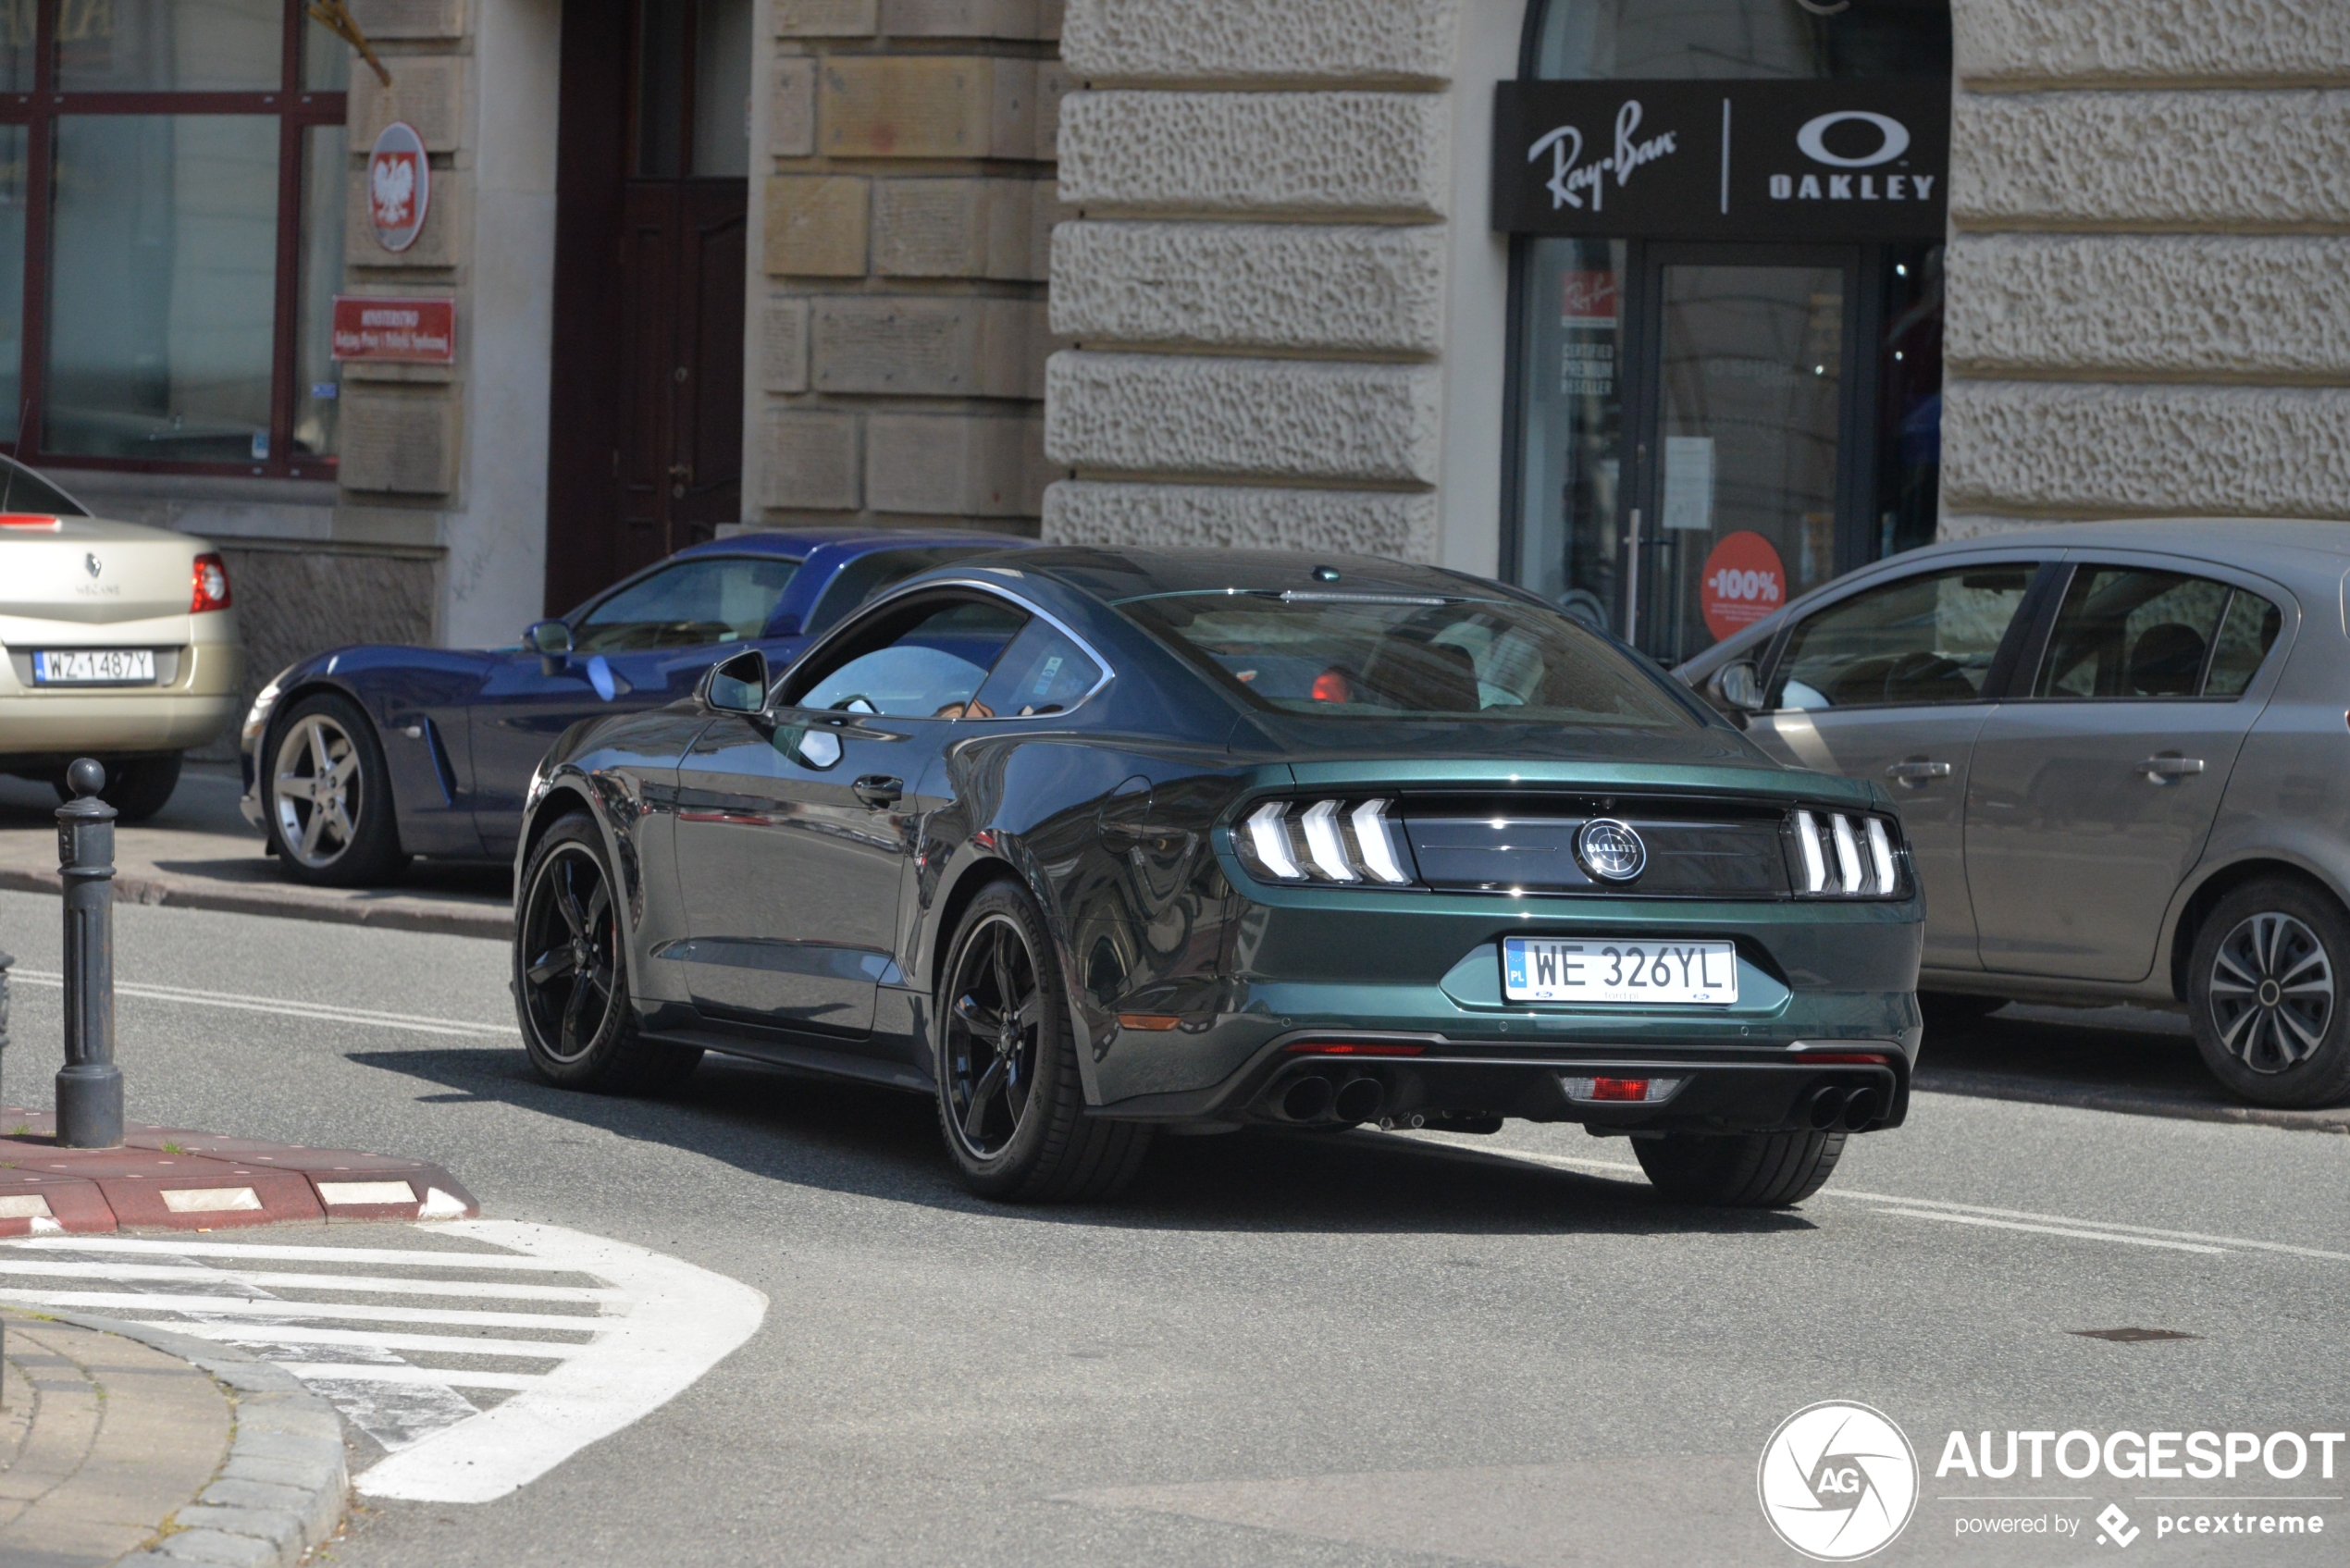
x: 878, y: 790
x: 2163, y: 769
x: 1916, y: 771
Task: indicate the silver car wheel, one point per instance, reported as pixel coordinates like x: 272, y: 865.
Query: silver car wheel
x: 316, y: 791
x: 2271, y: 992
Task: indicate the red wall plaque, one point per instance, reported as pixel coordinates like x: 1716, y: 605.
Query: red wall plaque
x: 395, y: 331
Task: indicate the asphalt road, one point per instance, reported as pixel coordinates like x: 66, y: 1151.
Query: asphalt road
x: 1365, y: 1349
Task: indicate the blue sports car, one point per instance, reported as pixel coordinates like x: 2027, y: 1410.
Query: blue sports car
x: 357, y: 759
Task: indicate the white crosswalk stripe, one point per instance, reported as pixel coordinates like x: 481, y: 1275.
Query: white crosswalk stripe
x: 471, y: 1398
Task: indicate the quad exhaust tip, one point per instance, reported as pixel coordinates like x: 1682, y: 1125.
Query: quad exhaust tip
x: 1315, y: 1098
x: 1360, y: 1099
x: 1307, y: 1100
x: 1840, y: 1110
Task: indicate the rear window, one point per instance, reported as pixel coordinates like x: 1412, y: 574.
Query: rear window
x: 1409, y: 657
x: 23, y: 490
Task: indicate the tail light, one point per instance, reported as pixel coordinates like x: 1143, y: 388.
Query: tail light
x: 40, y: 520
x: 1844, y: 856
x: 1329, y: 841
x: 211, y: 586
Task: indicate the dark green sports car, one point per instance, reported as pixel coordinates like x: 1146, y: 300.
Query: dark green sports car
x: 1084, y: 843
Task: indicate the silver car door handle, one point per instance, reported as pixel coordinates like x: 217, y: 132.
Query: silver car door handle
x: 2157, y: 769
x: 1917, y: 773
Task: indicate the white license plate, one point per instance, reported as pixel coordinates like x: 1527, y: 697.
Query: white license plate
x: 94, y: 666
x: 1608, y: 969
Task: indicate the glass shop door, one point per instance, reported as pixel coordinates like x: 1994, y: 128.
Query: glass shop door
x: 1745, y: 410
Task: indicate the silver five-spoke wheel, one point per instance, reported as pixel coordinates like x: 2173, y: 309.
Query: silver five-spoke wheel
x: 317, y: 791
x: 2272, y: 989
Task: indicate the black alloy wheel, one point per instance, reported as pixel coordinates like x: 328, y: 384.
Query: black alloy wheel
x: 2265, y: 994
x: 571, y: 974
x: 1011, y: 1105
x: 992, y: 1030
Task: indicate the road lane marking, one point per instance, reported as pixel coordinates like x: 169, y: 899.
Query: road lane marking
x: 270, y: 1306
x: 445, y: 1344
x: 310, y: 1281
x: 325, y: 1012
x: 2055, y: 1230
x: 2097, y: 1229
x: 278, y: 1252
x: 648, y: 1327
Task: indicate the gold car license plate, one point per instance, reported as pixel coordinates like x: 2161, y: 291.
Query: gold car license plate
x: 95, y: 667
x: 1609, y: 969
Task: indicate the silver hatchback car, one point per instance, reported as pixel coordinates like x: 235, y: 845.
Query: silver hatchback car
x: 2121, y: 751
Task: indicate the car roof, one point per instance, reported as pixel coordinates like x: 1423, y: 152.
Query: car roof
x: 1117, y: 573
x: 800, y: 541
x: 2279, y: 544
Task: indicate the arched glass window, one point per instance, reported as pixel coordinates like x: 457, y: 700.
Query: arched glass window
x: 1753, y: 400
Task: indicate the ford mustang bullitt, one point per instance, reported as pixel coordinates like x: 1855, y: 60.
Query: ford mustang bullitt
x: 1088, y: 843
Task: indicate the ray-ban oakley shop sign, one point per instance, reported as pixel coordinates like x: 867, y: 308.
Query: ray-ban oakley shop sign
x: 1723, y: 160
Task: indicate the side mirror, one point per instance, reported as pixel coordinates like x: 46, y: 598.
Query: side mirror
x: 737, y: 684
x: 1738, y: 686
x: 551, y: 641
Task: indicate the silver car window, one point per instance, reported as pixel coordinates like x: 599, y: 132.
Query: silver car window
x: 2128, y: 633
x: 2246, y: 634
x: 1919, y: 640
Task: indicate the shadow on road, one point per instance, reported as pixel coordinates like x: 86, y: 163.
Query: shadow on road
x: 788, y: 1126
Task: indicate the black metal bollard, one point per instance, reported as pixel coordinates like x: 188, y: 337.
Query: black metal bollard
x: 88, y: 1085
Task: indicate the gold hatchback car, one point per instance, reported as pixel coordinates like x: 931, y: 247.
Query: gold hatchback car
x: 120, y: 644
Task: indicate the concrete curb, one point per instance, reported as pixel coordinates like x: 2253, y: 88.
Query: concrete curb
x: 2126, y: 1102
x: 287, y: 1481
x: 410, y: 914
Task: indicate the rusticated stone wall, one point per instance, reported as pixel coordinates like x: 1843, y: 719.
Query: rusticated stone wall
x: 1253, y: 283
x: 903, y: 201
x: 2149, y: 266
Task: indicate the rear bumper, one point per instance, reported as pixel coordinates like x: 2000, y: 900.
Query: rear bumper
x: 1772, y: 1089
x: 100, y: 723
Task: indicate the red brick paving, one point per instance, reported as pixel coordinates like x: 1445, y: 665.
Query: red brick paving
x: 176, y: 1178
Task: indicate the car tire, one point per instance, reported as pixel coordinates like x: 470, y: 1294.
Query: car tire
x: 2265, y: 994
x: 137, y: 788
x: 1011, y: 1105
x: 1747, y: 1170
x: 343, y: 832
x: 579, y: 1024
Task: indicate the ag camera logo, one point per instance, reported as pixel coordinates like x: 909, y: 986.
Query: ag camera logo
x: 1837, y: 1481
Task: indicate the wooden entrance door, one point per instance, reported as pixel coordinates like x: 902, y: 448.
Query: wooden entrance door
x: 679, y: 460
x: 645, y: 452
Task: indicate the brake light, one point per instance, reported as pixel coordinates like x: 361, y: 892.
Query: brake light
x: 211, y: 590
x: 1327, y: 842
x: 1845, y: 856
x: 40, y: 520
x: 1350, y: 1048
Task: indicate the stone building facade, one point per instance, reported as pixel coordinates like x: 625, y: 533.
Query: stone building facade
x: 1227, y: 271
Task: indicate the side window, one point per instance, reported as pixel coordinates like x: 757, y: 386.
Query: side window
x: 925, y: 661
x: 707, y: 599
x: 1043, y: 672
x: 2127, y: 634
x: 1923, y: 639
x: 2246, y: 634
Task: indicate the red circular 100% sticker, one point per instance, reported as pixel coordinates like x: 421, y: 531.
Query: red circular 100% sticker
x: 1743, y: 581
